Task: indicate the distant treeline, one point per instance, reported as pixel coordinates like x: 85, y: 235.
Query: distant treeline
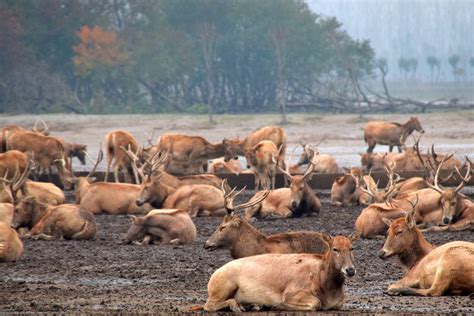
x: 113, y: 56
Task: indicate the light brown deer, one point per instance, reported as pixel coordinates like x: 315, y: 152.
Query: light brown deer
x: 46, y: 222
x: 162, y: 227
x: 327, y: 164
x: 6, y: 213
x: 304, y: 281
x: 11, y: 246
x: 371, y: 193
x: 108, y: 198
x: 114, y: 141
x: 391, y: 134
x: 346, y: 190
x: 7, y: 131
x: 219, y: 165
x: 275, y: 134
x: 297, y: 200
x: 431, y: 271
x: 191, y: 153
x: 263, y: 160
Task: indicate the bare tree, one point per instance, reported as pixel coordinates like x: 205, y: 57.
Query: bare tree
x: 279, y: 36
x: 208, y: 34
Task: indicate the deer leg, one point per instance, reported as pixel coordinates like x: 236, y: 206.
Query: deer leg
x: 221, y: 294
x: 176, y: 242
x: 116, y: 171
x: 160, y: 236
x: 50, y: 171
x: 390, y: 148
x: 232, y: 304
x: 300, y: 301
x: 109, y: 161
x: 462, y: 224
x: 146, y: 240
x: 440, y: 284
x: 371, y: 146
x: 253, y: 211
x: 402, y: 284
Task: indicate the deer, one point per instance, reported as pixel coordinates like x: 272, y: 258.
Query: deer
x: 263, y: 160
x: 371, y: 191
x: 295, y: 201
x: 6, y: 213
x: 11, y: 247
x: 327, y: 164
x: 275, y: 134
x: 106, y: 197
x: 46, y: 150
x: 430, y: 271
x: 196, y: 199
x: 191, y: 153
x: 219, y: 165
x: 244, y: 240
x: 391, y: 134
x: 7, y: 131
x: 304, y: 282
x: 161, y: 227
x: 47, y: 222
x: 114, y: 141
x: 377, y: 161
x: 347, y: 189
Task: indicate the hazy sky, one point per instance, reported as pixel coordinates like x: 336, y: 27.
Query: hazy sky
x: 408, y: 28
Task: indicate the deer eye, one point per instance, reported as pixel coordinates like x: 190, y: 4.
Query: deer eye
x: 398, y: 232
x: 335, y: 249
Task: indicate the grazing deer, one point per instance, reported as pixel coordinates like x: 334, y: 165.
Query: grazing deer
x: 114, y: 141
x: 7, y: 131
x: 431, y: 271
x: 327, y: 164
x: 191, y: 153
x: 162, y: 227
x: 46, y: 150
x: 263, y: 159
x: 244, y: 240
x: 219, y: 165
x: 284, y: 281
x: 275, y: 134
x: 106, y: 197
x: 391, y: 134
x: 46, y: 222
x: 11, y: 246
x: 297, y: 200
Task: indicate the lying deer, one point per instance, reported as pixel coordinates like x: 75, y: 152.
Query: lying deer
x: 391, y: 134
x: 327, y: 164
x: 219, y: 165
x: 244, y: 240
x: 297, y: 200
x: 431, y: 271
x: 66, y: 221
x: 106, y: 197
x: 161, y: 227
x: 348, y: 189
x: 11, y: 246
x: 284, y: 281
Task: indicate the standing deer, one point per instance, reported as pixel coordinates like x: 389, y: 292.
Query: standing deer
x: 284, y: 281
x: 431, y: 271
x: 114, y: 141
x: 263, y: 159
x: 7, y: 131
x: 391, y: 134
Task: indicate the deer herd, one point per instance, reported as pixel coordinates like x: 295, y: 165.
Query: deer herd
x: 167, y: 184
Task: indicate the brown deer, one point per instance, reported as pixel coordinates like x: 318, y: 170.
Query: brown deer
x: 263, y: 159
x: 191, y: 153
x: 297, y: 200
x: 284, y: 281
x: 371, y: 192
x: 13, y: 161
x: 105, y: 197
x: 275, y: 134
x: 114, y: 141
x: 346, y: 190
x: 391, y: 134
x: 66, y: 221
x: 431, y: 271
x: 11, y: 246
x: 47, y: 151
x: 244, y: 240
x: 327, y: 164
x: 6, y: 213
x: 161, y: 227
x: 7, y: 131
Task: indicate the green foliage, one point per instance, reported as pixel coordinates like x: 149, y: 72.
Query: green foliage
x: 453, y: 61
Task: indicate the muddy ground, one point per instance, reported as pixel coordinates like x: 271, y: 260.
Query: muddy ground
x: 104, y: 276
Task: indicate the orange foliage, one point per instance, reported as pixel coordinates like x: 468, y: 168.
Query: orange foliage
x: 97, y: 48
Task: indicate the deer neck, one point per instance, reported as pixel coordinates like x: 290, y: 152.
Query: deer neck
x: 215, y: 150
x: 250, y: 238
x: 330, y: 277
x: 407, y: 129
x: 40, y: 211
x: 419, y: 249
x: 239, y: 146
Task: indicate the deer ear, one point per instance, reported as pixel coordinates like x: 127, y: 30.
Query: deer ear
x: 410, y: 218
x: 327, y: 238
x: 237, y: 221
x: 387, y: 221
x: 354, y: 236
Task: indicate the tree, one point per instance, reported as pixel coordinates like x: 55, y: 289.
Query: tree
x: 404, y: 66
x: 412, y: 66
x: 471, y: 62
x: 433, y: 62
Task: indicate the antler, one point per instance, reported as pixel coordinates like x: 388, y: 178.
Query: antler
x: 45, y: 129
x: 100, y: 156
x: 229, y: 198
x: 435, y: 185
x: 287, y: 171
x: 149, y: 138
x: 466, y: 178
x: 17, y: 181
x: 312, y: 164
